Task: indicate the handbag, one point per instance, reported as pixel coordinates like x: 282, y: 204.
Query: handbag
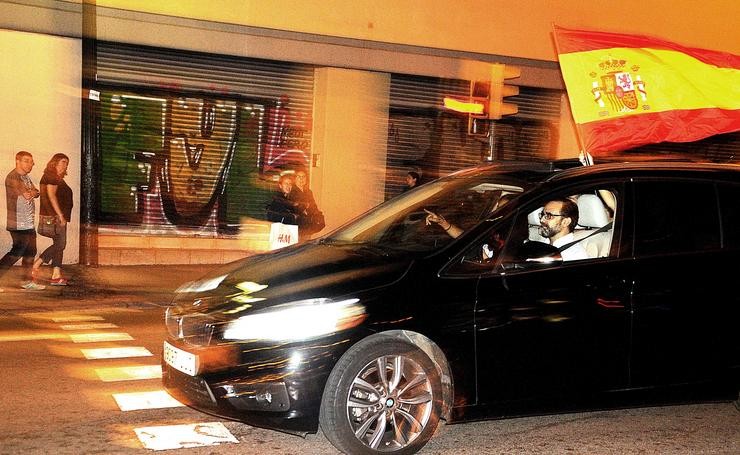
x: 48, y: 225
x: 316, y: 220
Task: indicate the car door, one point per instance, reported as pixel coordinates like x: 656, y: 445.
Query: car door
x: 685, y: 305
x: 551, y: 329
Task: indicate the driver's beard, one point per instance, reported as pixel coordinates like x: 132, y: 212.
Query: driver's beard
x: 547, y: 231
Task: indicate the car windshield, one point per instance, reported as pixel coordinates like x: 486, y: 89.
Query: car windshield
x: 462, y: 200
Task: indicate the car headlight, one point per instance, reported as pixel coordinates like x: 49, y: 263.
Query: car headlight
x: 296, y: 321
x: 203, y: 285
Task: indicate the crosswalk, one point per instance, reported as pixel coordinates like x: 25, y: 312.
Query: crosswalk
x: 101, y: 342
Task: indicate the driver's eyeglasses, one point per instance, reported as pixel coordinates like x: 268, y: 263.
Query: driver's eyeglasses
x: 548, y: 215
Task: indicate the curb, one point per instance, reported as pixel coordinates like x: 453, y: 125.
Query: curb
x: 96, y: 286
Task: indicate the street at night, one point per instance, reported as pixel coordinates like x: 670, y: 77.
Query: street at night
x: 56, y: 400
x: 369, y: 227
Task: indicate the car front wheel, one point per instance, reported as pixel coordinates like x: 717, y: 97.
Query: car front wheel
x: 383, y: 396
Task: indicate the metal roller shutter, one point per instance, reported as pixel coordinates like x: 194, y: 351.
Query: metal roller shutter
x: 425, y: 138
x: 189, y: 141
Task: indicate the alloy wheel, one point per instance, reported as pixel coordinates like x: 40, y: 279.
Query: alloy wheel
x: 389, y: 403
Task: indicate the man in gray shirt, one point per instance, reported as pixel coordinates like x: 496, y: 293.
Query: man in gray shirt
x: 20, y: 193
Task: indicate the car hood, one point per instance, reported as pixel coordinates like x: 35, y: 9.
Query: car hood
x: 307, y: 271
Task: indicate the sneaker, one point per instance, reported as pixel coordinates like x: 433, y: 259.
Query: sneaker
x: 58, y: 281
x: 31, y: 286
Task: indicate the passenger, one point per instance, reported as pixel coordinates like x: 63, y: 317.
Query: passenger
x: 607, y: 197
x: 451, y: 230
x: 557, y: 220
x: 489, y: 250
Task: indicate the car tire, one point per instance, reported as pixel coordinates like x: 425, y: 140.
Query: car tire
x: 363, y: 412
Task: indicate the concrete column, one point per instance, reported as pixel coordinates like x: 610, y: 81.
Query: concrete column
x: 40, y: 91
x: 568, y: 145
x: 350, y: 135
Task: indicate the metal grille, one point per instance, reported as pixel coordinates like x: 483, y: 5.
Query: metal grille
x: 189, y: 140
x: 424, y: 138
x: 196, y: 71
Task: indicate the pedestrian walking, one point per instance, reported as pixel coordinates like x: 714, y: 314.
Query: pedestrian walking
x: 20, y: 193
x: 54, y: 215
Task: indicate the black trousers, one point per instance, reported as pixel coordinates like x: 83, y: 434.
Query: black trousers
x: 24, y: 247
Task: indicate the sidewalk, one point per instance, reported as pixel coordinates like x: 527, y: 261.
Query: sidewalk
x: 126, y: 285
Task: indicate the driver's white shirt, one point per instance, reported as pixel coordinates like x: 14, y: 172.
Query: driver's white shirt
x: 573, y: 253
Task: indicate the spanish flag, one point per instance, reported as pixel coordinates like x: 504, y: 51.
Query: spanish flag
x: 626, y: 90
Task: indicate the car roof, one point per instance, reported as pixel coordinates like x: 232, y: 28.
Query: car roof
x: 543, y: 168
x: 650, y: 169
x: 560, y: 171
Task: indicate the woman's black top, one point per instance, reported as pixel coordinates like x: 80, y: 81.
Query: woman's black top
x: 64, y: 196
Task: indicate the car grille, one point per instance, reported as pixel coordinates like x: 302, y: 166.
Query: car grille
x: 193, y: 329
x: 189, y: 389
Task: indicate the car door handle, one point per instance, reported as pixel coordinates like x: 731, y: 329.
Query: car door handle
x: 606, y: 303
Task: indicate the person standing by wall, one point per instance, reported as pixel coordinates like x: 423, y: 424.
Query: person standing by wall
x: 412, y: 180
x: 281, y: 209
x: 56, y: 206
x: 20, y: 193
x: 311, y: 219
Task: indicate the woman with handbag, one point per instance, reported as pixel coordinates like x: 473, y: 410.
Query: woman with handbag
x: 54, y: 214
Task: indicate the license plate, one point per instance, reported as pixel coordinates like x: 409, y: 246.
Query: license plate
x: 180, y: 360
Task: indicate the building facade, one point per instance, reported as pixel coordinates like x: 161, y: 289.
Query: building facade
x: 177, y: 126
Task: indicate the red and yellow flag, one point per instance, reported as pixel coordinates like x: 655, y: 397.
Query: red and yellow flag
x: 626, y: 90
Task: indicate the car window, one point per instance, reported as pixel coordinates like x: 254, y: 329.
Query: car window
x: 568, y: 226
x: 729, y: 202
x: 483, y: 253
x: 519, y: 243
x: 433, y: 215
x: 675, y: 217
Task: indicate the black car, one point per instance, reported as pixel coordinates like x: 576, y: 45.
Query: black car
x: 449, y: 302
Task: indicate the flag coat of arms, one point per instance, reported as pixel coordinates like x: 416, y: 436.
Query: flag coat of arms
x: 627, y: 90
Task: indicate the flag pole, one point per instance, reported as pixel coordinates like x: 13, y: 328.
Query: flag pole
x: 583, y: 155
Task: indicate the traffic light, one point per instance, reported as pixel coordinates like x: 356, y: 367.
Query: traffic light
x: 498, y: 90
x: 480, y: 95
x: 486, y: 100
x: 491, y: 94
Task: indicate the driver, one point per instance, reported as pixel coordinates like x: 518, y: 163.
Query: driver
x: 558, y: 218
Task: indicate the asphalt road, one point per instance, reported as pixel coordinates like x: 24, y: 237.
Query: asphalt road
x: 55, y: 401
